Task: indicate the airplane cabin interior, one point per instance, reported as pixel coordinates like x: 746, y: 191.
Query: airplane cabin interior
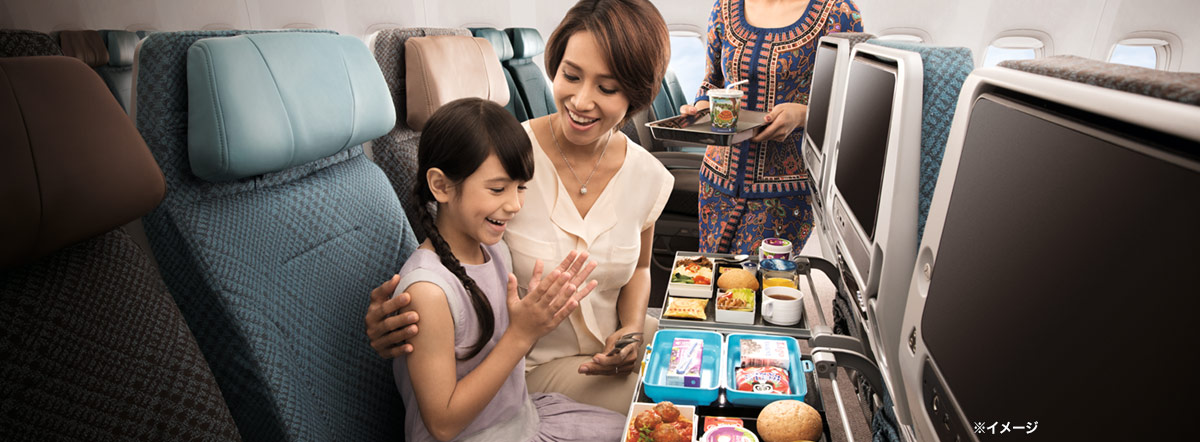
x: 198, y: 198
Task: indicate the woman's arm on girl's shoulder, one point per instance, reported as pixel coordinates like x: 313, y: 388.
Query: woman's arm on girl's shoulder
x: 447, y: 403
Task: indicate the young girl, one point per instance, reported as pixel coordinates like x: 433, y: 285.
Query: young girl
x: 465, y: 378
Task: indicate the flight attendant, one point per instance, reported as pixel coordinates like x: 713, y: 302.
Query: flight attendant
x: 757, y: 189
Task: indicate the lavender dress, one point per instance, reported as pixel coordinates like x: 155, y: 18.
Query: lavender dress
x: 513, y: 414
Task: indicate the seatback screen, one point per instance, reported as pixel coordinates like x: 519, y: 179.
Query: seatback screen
x: 863, y: 146
x: 1069, y: 250
x: 819, y: 95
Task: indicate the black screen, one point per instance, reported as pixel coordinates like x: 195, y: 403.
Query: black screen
x: 863, y: 146
x: 1064, y: 290
x: 819, y: 93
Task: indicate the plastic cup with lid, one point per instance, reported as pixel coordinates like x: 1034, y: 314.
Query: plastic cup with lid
x: 724, y: 105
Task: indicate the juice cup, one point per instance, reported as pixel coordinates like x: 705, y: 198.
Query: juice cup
x: 724, y: 105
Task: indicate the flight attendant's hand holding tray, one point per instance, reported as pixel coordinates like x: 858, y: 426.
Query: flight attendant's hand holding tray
x: 698, y: 128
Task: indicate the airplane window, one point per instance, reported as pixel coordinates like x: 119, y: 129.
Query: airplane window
x: 902, y: 37
x: 996, y: 55
x: 1143, y: 52
x: 1013, y: 48
x: 687, y: 61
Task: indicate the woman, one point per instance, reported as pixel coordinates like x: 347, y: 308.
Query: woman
x: 757, y: 189
x: 593, y: 190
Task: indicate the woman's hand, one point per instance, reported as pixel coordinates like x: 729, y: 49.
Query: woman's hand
x: 388, y: 333
x: 547, y: 304
x: 625, y: 360
x: 691, y: 109
x: 781, y: 121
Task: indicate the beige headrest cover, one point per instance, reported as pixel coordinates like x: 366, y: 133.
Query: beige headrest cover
x: 444, y: 68
x: 73, y: 166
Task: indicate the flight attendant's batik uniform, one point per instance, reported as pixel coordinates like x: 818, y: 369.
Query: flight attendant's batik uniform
x: 751, y: 191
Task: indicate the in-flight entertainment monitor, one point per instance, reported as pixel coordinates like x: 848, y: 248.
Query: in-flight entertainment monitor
x: 1061, y: 294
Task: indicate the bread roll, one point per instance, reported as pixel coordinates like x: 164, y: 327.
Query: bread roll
x: 789, y: 420
x: 737, y: 279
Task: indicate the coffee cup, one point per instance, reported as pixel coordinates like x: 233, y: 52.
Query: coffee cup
x: 724, y: 105
x: 782, y: 305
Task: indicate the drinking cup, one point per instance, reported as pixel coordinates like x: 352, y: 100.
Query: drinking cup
x: 782, y: 305
x: 724, y: 105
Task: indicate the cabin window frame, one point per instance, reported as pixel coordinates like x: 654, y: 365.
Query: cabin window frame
x: 688, y: 77
x: 911, y: 35
x: 1040, y: 43
x: 1164, y: 44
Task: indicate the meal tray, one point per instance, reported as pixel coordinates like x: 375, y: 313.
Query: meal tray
x: 698, y: 128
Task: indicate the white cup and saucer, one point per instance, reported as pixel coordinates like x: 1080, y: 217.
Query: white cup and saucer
x: 782, y: 305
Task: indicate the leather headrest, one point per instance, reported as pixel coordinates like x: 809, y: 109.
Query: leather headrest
x: 84, y: 45
x: 260, y: 103
x: 526, y: 42
x: 73, y: 166
x: 444, y: 68
x: 121, y: 45
x: 498, y: 39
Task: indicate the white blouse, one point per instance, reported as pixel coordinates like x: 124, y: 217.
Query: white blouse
x: 548, y: 227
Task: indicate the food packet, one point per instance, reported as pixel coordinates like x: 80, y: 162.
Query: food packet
x: 772, y: 380
x: 686, y: 308
x: 711, y: 422
x: 765, y: 353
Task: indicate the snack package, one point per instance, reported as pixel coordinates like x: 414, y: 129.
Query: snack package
x: 772, y: 380
x: 764, y: 353
x: 686, y: 308
x: 684, y: 368
x: 712, y: 422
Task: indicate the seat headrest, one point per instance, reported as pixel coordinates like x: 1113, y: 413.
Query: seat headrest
x: 526, y: 42
x: 84, y: 45
x: 444, y: 68
x: 498, y: 39
x: 22, y: 43
x: 1180, y: 87
x: 73, y: 166
x: 121, y: 45
x: 853, y: 37
x: 262, y: 103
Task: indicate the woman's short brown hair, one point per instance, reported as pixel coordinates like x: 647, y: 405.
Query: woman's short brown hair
x: 633, y: 35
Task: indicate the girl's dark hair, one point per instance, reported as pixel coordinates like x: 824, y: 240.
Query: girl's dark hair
x: 631, y: 32
x: 457, y: 139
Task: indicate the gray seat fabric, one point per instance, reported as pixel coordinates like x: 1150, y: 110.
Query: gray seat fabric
x: 1180, y: 87
x: 273, y: 271
x: 94, y: 348
x: 118, y: 73
x: 531, y: 82
x: 396, y: 152
x: 22, y: 43
x: 504, y: 51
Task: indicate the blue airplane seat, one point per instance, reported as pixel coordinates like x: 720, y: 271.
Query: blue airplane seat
x: 396, y: 151
x: 118, y: 73
x: 504, y: 51
x: 945, y: 70
x: 22, y: 43
x: 275, y: 225
x: 535, y: 91
x: 94, y: 348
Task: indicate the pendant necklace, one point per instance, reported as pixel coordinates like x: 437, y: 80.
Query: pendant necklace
x: 584, y: 183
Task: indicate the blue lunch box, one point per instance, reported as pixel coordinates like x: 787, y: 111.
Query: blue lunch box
x: 654, y: 380
x: 797, y: 372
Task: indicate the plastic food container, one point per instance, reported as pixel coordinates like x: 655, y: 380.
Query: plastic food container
x: 692, y: 276
x: 797, y: 372
x: 654, y: 379
x: 685, y: 412
x: 775, y: 248
x: 728, y: 433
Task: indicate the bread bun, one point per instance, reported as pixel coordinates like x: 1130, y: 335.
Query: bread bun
x: 787, y: 421
x: 737, y: 279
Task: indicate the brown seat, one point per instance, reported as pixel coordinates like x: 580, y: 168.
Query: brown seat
x: 94, y: 346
